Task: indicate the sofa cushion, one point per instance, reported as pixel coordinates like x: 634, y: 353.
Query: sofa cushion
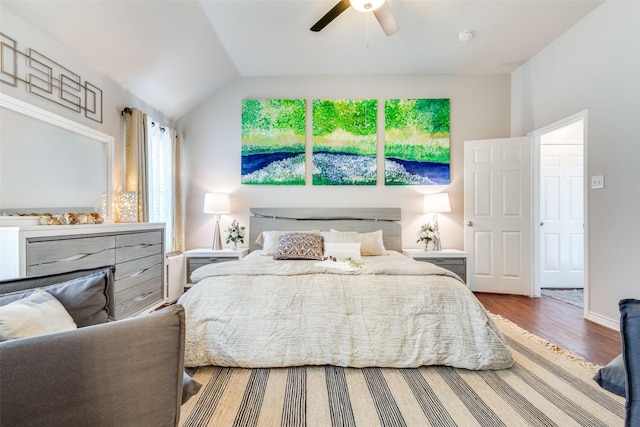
x: 630, y: 333
x: 85, y: 298
x: 612, y: 377
x: 190, y: 387
x: 37, y: 314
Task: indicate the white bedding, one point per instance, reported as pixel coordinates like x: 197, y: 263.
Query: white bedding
x: 392, y: 312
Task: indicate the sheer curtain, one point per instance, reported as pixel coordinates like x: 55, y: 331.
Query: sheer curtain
x: 161, y: 186
x: 154, y: 172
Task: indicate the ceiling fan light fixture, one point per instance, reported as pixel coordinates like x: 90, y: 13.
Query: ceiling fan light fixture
x: 465, y: 36
x: 366, y: 5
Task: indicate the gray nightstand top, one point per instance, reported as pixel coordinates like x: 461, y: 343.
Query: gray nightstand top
x: 223, y: 253
x: 445, y: 253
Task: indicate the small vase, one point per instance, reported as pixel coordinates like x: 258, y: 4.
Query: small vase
x: 235, y: 244
x: 430, y: 245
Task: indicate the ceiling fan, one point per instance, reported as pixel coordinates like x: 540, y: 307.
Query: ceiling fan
x: 380, y: 9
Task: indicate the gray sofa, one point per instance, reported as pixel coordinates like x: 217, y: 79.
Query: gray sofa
x: 104, y: 373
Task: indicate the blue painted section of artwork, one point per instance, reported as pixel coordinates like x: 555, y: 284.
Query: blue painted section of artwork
x: 255, y: 162
x: 416, y: 173
x: 343, y: 169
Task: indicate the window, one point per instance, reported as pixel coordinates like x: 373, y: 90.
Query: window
x: 160, y: 178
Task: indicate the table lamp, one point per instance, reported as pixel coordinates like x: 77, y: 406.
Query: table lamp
x: 434, y: 204
x: 217, y: 203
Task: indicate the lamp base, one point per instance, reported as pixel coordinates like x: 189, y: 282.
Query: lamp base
x: 217, y: 239
x: 437, y: 246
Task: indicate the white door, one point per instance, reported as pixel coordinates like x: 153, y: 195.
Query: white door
x: 561, y: 216
x: 497, y: 208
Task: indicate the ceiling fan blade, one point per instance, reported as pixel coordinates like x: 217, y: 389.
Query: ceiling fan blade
x: 335, y: 11
x: 386, y: 20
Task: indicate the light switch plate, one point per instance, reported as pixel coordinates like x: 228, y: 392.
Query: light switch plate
x: 597, y: 181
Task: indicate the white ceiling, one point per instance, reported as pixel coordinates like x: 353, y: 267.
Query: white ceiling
x: 174, y: 54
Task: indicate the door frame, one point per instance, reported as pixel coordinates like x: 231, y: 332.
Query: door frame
x: 536, y: 135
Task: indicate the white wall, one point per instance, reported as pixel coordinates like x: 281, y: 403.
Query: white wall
x: 596, y: 66
x: 479, y: 109
x: 115, y: 97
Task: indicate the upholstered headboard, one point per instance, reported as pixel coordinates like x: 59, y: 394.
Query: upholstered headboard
x: 362, y: 220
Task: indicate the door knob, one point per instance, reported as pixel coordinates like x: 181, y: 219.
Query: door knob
x: 541, y: 223
x: 470, y: 223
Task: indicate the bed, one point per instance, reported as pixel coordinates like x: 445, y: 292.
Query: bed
x: 380, y: 309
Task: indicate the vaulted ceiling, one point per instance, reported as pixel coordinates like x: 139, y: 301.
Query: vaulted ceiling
x: 174, y: 54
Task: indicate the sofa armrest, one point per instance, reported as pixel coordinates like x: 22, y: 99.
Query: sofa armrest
x: 127, y: 372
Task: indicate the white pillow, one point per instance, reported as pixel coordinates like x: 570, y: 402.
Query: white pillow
x: 371, y: 243
x: 342, y: 250
x: 336, y: 236
x: 271, y: 239
x: 38, y: 314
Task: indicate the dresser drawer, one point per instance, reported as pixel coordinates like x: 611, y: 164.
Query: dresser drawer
x: 139, y: 291
x: 142, y: 302
x: 138, y: 245
x: 152, y: 273
x: 130, y: 269
x: 456, y: 265
x: 195, y: 263
x: 47, y: 256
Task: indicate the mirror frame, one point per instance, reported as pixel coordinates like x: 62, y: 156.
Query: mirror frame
x: 38, y: 113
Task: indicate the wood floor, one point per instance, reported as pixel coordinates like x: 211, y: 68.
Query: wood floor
x: 558, y: 322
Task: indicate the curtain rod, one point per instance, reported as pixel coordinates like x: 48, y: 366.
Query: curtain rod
x: 128, y: 110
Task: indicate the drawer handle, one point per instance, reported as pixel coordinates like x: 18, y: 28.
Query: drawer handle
x: 68, y: 259
x: 140, y: 246
x: 138, y: 273
x: 74, y: 257
x: 141, y: 297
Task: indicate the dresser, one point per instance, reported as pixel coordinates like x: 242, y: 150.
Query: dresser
x: 136, y: 251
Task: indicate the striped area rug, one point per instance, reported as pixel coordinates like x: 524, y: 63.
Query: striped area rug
x: 546, y: 387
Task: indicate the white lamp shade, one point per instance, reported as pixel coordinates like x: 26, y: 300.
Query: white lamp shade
x: 436, y: 203
x: 366, y: 5
x: 217, y: 203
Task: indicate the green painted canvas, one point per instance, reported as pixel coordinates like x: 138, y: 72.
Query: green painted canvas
x: 416, y: 142
x: 344, y: 142
x: 273, y: 141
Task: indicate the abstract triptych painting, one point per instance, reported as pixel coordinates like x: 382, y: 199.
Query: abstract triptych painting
x: 345, y: 140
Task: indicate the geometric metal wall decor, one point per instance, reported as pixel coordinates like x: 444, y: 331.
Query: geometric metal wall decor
x: 417, y: 142
x: 48, y: 79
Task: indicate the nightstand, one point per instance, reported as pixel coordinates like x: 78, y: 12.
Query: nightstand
x: 199, y: 257
x: 451, y: 259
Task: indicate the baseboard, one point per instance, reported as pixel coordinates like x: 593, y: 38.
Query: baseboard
x: 604, y: 321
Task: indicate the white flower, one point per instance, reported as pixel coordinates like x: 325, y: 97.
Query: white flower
x: 235, y: 233
x: 427, y: 233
